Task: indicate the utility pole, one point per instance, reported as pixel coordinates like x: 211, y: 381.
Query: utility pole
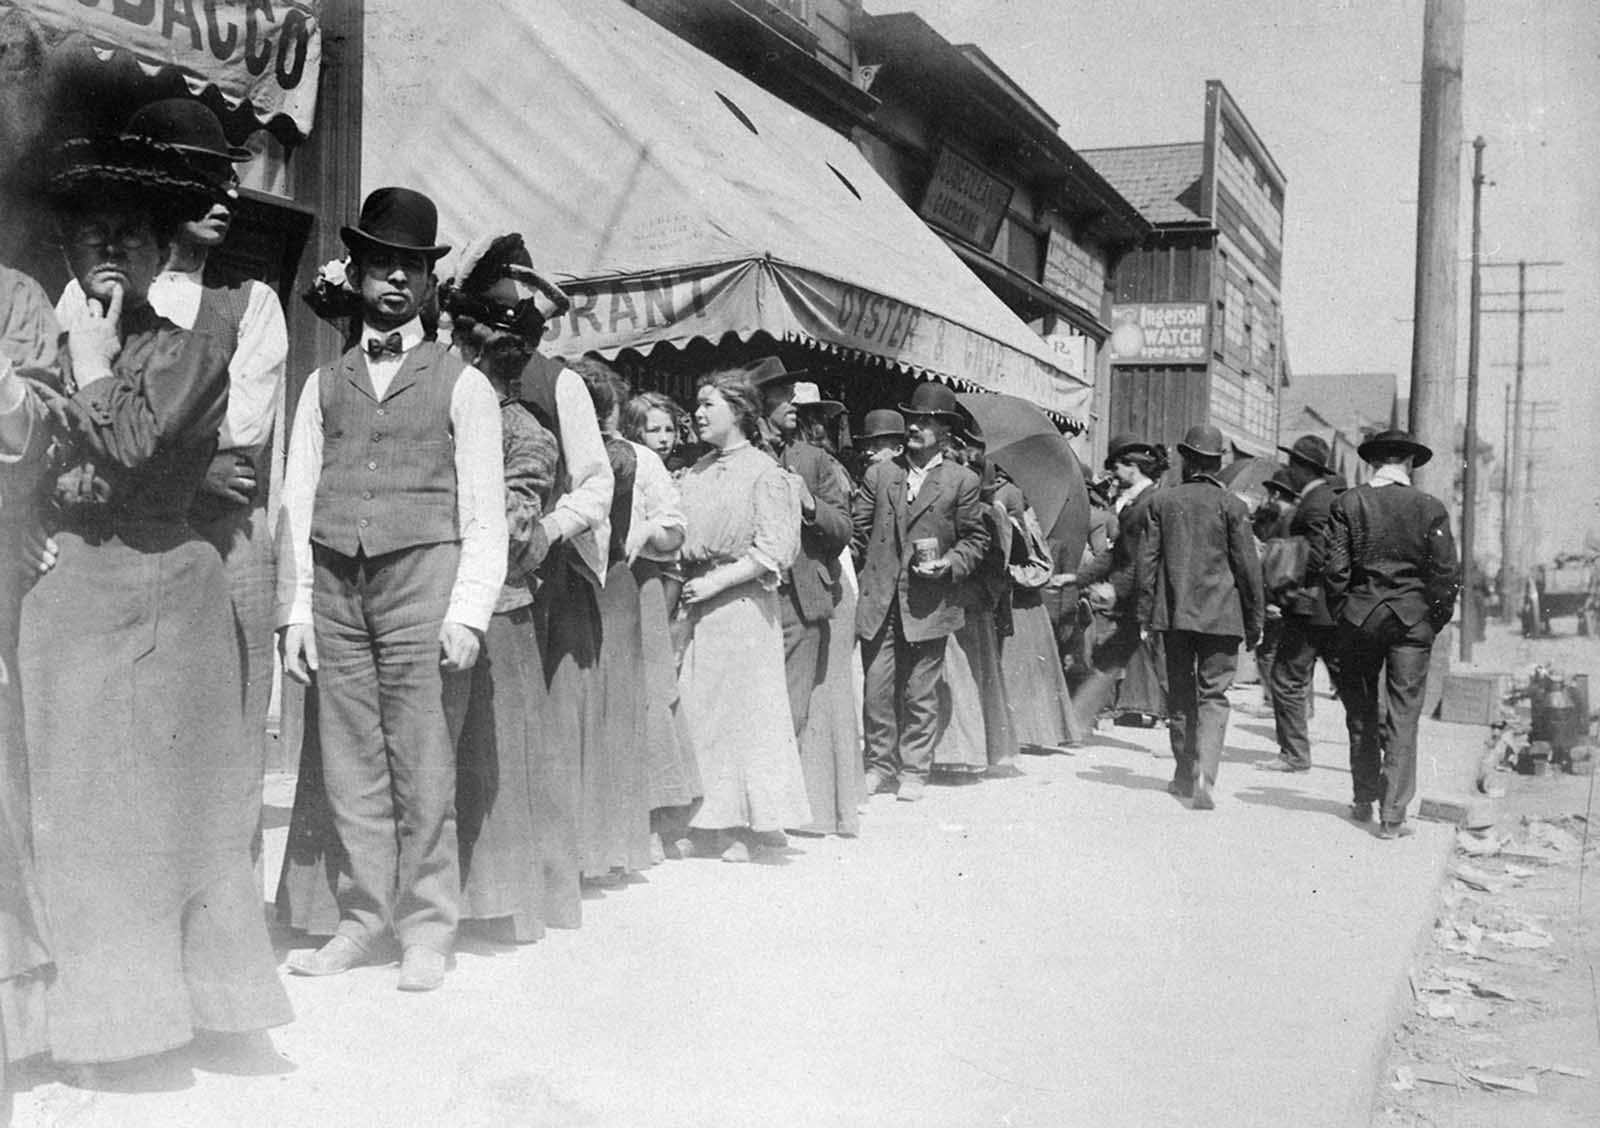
x: 1433, y: 345
x: 1470, y: 615
x: 1512, y: 568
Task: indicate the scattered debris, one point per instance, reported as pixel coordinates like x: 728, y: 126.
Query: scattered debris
x: 1477, y: 846
x: 1474, y: 878
x: 1515, y: 1084
x: 1523, y: 938
x: 1563, y: 1070
x: 1404, y: 1080
x: 1434, y: 1074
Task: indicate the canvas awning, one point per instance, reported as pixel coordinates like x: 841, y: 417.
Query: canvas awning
x: 263, y: 54
x: 673, y: 197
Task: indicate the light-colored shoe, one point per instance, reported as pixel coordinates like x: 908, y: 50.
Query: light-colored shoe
x: 1395, y: 830
x: 421, y: 969
x: 736, y: 851
x: 1202, y: 795
x: 337, y: 956
x: 876, y: 782
x: 911, y: 788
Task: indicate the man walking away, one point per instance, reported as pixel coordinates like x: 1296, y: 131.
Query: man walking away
x: 1200, y: 584
x: 1391, y: 582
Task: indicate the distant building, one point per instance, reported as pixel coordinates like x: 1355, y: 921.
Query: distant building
x: 1343, y: 408
x: 1197, y: 317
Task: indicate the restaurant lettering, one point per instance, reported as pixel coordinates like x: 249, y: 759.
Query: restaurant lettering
x: 256, y: 34
x: 965, y: 200
x: 629, y: 308
x: 879, y: 323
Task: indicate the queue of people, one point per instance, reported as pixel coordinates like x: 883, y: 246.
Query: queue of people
x: 551, y: 630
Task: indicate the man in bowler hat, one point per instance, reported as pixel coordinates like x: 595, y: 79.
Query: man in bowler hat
x: 919, y: 531
x: 1391, y: 579
x: 1200, y: 584
x: 1307, y: 631
x: 394, y: 550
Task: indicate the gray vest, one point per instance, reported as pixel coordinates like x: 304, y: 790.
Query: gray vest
x: 388, y: 466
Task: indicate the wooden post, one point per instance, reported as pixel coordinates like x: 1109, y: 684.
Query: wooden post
x: 1470, y: 610
x: 1433, y: 349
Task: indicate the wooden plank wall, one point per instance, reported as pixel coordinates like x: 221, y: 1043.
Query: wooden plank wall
x: 1158, y: 403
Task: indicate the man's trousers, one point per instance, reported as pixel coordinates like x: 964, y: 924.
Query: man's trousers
x: 1300, y: 643
x: 900, y: 699
x: 1384, y: 655
x: 388, y: 760
x: 1200, y: 669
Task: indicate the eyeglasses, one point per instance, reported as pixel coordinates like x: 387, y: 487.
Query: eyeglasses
x: 92, y: 236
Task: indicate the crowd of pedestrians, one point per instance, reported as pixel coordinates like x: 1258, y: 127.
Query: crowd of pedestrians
x: 551, y: 628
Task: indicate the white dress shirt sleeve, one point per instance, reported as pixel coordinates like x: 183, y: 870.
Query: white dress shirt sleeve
x: 256, y: 371
x: 302, y: 469
x: 480, y: 501
x: 585, y: 507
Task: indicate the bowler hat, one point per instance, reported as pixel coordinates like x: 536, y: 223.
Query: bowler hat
x: 937, y: 400
x: 1203, y: 440
x: 399, y: 219
x: 1123, y: 443
x: 769, y: 370
x: 883, y: 423
x: 1392, y: 443
x: 188, y: 126
x: 807, y: 394
x: 1311, y: 450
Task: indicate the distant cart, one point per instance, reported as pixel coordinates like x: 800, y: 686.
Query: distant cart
x: 1570, y: 587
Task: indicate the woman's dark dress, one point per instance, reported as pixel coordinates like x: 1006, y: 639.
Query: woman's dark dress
x: 143, y: 805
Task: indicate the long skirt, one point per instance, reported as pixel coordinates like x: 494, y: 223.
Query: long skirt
x: 144, y: 803
x: 830, y: 744
x: 735, y: 697
x: 976, y: 731
x: 1143, y: 688
x: 1040, y: 705
x: 503, y: 784
x: 24, y: 953
x: 615, y: 824
x: 674, y: 778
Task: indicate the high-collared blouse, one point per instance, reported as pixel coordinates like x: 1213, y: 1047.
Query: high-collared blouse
x: 740, y: 503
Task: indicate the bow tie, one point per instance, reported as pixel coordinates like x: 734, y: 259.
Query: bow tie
x: 380, y: 347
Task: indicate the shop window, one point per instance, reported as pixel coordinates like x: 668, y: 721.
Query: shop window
x: 1023, y: 249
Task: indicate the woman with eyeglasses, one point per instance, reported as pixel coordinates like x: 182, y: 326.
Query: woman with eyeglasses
x: 144, y: 800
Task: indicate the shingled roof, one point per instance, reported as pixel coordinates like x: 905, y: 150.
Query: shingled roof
x: 1354, y: 402
x: 1162, y: 181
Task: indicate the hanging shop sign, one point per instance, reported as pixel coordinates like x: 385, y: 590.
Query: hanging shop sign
x: 264, y: 52
x: 1160, y: 333
x: 965, y: 200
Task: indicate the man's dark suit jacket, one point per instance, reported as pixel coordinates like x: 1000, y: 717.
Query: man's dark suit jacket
x: 1391, y: 546
x: 886, y: 525
x: 1119, y: 565
x: 823, y: 536
x: 1198, y: 567
x: 1310, y: 520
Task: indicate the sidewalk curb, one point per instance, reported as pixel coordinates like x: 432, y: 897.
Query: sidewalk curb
x: 1458, y: 776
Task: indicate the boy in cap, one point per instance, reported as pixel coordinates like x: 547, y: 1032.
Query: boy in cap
x: 919, y: 530
x: 1392, y: 580
x: 1200, y: 584
x: 394, y: 551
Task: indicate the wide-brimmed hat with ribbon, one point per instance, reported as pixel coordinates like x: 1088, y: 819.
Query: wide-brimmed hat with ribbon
x: 1204, y: 441
x: 397, y: 219
x: 1126, y: 442
x: 1393, y: 443
x: 1312, y: 450
x: 883, y: 423
x: 129, y: 170
x: 188, y: 126
x: 938, y: 401
x: 487, y: 260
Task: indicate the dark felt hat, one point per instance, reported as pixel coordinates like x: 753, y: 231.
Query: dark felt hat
x: 885, y: 422
x: 1203, y: 440
x: 1389, y: 444
x: 938, y: 400
x: 129, y: 170
x: 1123, y: 443
x: 1311, y: 450
x: 1281, y: 484
x: 188, y: 126
x: 769, y: 370
x: 398, y: 219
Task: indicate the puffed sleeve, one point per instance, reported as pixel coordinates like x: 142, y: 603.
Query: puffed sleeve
x: 531, y: 459
x: 176, y: 393
x: 776, y: 539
